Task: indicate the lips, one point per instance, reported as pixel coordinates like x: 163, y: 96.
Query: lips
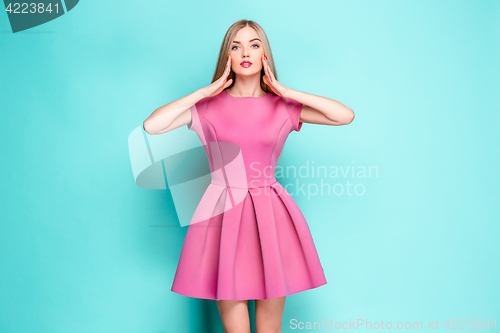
x: 245, y: 64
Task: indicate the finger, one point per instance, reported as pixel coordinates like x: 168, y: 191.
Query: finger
x: 223, y: 75
x: 268, y: 71
x: 228, y: 83
x: 269, y: 84
x: 271, y: 75
x: 266, y: 81
x: 266, y: 68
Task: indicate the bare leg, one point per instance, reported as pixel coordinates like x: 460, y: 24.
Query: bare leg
x: 234, y: 316
x: 269, y: 314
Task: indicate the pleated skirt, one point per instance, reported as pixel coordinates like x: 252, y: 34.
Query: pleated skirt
x: 261, y: 248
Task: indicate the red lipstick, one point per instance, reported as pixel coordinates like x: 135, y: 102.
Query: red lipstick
x: 245, y: 64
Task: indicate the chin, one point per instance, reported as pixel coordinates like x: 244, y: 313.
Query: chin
x: 248, y: 73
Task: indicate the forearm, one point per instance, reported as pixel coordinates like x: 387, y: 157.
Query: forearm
x: 163, y: 117
x: 330, y: 108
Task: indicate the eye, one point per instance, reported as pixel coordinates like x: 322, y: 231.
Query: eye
x: 252, y: 45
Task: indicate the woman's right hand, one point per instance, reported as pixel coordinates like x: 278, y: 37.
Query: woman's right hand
x: 217, y: 86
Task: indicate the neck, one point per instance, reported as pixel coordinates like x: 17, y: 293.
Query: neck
x: 246, y: 86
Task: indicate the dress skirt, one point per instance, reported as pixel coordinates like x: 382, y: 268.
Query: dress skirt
x: 259, y: 249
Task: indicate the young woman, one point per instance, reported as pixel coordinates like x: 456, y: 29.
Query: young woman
x: 248, y: 239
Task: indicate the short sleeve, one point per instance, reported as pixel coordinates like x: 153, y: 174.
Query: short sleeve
x: 197, y: 112
x: 294, y: 110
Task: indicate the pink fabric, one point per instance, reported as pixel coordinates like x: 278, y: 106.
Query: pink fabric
x: 248, y: 239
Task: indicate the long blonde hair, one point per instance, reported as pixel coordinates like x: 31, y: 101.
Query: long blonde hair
x: 226, y: 48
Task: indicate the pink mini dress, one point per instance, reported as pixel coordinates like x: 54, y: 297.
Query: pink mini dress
x: 248, y: 239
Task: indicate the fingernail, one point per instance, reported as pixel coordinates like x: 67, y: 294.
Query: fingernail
x: 227, y: 57
x: 265, y: 57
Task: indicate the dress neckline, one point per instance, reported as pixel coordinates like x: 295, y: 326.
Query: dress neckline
x: 245, y: 97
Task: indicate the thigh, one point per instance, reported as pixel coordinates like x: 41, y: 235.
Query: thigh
x: 269, y: 314
x: 234, y: 316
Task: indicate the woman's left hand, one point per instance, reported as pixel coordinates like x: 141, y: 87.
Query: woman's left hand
x: 271, y: 81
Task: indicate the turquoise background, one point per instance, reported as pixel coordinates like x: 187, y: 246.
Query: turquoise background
x: 84, y: 249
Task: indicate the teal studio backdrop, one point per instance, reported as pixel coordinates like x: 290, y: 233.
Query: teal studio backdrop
x: 83, y: 248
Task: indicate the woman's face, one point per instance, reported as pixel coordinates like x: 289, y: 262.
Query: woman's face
x: 246, y: 52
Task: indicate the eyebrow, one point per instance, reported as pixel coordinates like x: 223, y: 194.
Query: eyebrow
x: 235, y: 41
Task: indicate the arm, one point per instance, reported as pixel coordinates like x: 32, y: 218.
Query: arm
x: 177, y: 113
x: 321, y: 110
x: 172, y: 115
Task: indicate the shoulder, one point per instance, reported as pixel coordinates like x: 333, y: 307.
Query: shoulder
x: 293, y: 110
x: 287, y: 103
x: 292, y: 106
x: 290, y: 102
x: 202, y: 105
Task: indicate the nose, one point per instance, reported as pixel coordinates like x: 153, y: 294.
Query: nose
x: 245, y: 53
